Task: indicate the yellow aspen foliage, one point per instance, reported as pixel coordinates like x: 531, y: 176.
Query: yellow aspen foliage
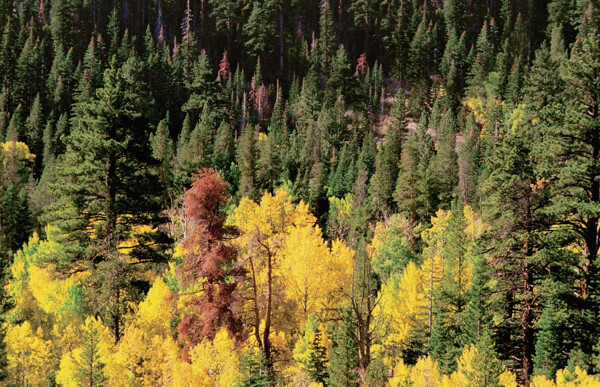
x: 425, y: 373
x: 84, y: 365
x: 466, y: 374
x: 433, y: 254
x: 190, y: 375
x: 577, y: 377
x: 401, y: 373
x: 37, y: 290
x: 508, y: 379
x: 402, y: 307
x: 542, y: 381
x: 218, y: 358
x: 143, y: 360
x: 475, y: 226
x: 28, y: 356
x: 477, y: 366
x: 305, y: 258
x: 155, y: 312
x: 16, y: 150
x: 432, y: 268
x: 264, y: 228
x: 275, y: 214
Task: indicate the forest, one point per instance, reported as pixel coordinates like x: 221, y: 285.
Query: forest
x: 300, y: 193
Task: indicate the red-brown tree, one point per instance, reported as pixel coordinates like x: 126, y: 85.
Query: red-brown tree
x: 209, y: 260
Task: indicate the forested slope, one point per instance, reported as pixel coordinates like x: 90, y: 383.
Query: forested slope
x: 342, y: 192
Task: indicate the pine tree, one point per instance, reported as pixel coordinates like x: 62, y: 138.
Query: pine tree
x: 317, y: 361
x: 35, y: 129
x: 106, y: 184
x: 451, y: 296
x: 516, y: 204
x: 575, y: 191
x: 259, y: 29
x: 16, y: 224
x: 208, y: 259
x: 445, y: 162
x: 247, y: 149
x: 203, y: 87
x: 253, y: 367
x: 327, y: 36
x: 89, y: 363
x: 365, y: 12
x: 163, y: 150
x: 224, y: 153
x: 227, y: 15
x: 343, y: 366
x: 383, y: 182
x: 61, y: 22
x: 340, y: 80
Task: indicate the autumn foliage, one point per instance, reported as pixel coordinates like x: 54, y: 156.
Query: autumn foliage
x: 209, y: 258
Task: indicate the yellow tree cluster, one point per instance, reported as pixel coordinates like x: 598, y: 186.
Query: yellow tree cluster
x: 287, y: 259
x: 408, y: 297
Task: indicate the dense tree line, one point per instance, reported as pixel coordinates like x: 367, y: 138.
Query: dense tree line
x: 357, y: 192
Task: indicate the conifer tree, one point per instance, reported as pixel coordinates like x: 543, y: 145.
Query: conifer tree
x: 35, y: 129
x: 517, y: 204
x: 106, y: 191
x: 224, y: 153
x: 383, y: 182
x: 343, y: 366
x: 90, y: 368
x: 571, y: 128
x: 247, y: 154
x: 317, y: 361
x: 445, y: 162
x: 61, y: 22
x: 253, y: 367
x: 259, y: 29
x: 163, y: 150
x: 327, y: 38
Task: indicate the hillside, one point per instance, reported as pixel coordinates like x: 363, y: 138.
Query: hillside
x: 300, y: 193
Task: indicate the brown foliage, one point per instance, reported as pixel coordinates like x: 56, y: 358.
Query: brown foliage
x: 362, y: 66
x: 210, y: 258
x: 224, y: 71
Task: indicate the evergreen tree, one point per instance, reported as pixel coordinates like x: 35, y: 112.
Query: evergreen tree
x: 445, y: 162
x: 571, y: 129
x: 259, y: 29
x: 343, y: 366
x: 247, y: 149
x: 90, y: 367
x: 253, y: 367
x: 327, y: 36
x: 106, y: 190
x: 35, y: 129
x: 317, y: 361
x: 62, y: 23
x: 163, y: 150
x: 517, y: 203
x: 224, y: 153
x: 383, y: 182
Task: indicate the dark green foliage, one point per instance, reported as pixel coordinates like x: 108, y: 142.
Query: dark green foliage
x: 343, y: 365
x: 247, y: 154
x: 253, y: 367
x: 16, y: 218
x: 317, y: 361
x: 387, y: 162
x: 106, y: 190
x: 121, y: 107
x: 91, y: 369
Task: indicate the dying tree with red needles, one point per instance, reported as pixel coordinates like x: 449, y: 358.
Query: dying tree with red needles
x: 209, y: 260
